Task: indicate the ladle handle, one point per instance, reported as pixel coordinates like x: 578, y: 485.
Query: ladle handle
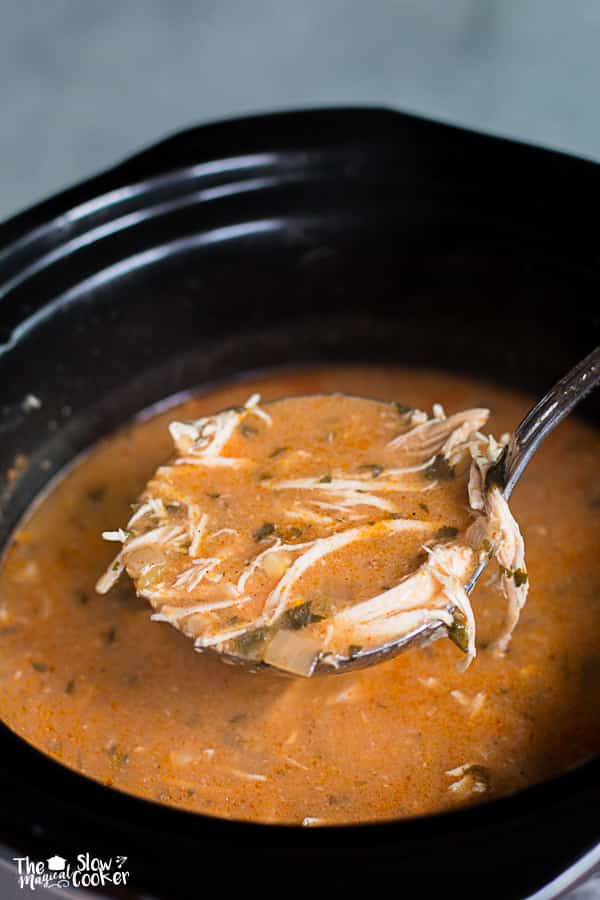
x: 546, y: 415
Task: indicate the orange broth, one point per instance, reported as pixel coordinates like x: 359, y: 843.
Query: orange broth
x: 94, y: 683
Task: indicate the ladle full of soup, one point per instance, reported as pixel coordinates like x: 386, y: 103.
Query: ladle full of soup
x: 301, y: 533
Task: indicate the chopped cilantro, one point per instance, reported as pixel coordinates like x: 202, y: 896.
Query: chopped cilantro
x: 277, y: 452
x: 458, y: 634
x: 245, y: 643
x: 520, y: 577
x: 374, y: 468
x: 265, y: 531
x: 496, y: 474
x: 297, y: 617
x: 447, y: 531
x: 439, y: 470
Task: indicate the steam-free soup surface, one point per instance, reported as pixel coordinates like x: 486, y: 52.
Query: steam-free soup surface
x: 97, y: 685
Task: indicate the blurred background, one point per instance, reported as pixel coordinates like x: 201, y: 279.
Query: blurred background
x: 87, y: 82
x: 84, y: 83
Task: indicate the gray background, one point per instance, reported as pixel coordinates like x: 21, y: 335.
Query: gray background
x: 84, y: 83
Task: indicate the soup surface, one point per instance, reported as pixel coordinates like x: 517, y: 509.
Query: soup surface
x: 93, y: 682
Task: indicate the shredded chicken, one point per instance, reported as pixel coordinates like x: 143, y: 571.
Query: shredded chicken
x: 438, y: 432
x: 496, y: 532
x: 220, y: 598
x: 430, y: 594
x: 348, y: 488
x: 278, y: 598
x: 506, y: 541
x: 202, y: 442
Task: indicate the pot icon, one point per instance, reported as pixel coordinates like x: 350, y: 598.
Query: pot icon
x: 56, y: 863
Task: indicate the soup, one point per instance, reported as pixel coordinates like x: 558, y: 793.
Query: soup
x: 300, y: 537
x: 93, y: 682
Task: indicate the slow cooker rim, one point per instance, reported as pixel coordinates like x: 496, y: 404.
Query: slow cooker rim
x: 503, y: 808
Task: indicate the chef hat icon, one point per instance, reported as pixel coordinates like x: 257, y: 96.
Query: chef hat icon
x: 56, y: 863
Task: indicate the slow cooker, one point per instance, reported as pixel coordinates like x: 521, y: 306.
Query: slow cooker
x: 344, y: 235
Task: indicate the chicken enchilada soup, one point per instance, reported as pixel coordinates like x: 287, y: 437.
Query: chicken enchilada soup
x: 296, y: 532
